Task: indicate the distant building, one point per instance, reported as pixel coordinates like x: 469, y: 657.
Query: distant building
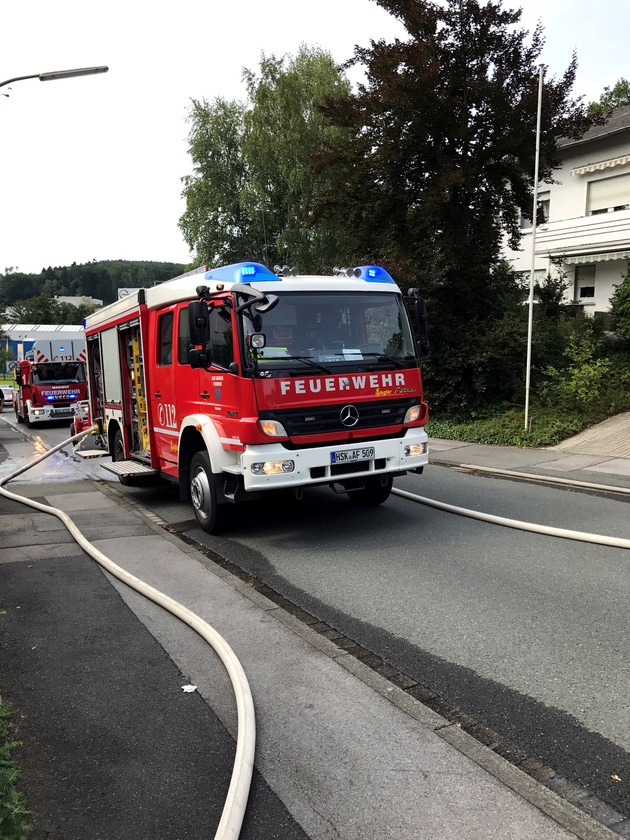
x: 82, y: 300
x: 585, y: 216
x: 21, y: 337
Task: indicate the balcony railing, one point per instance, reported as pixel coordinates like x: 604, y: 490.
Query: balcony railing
x: 584, y: 235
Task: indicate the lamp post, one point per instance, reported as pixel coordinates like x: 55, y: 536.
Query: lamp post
x: 532, y: 272
x: 58, y: 74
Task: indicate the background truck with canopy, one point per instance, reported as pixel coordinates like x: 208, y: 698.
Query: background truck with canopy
x: 50, y: 381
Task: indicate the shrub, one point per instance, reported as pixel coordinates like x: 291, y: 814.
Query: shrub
x: 620, y: 307
x: 508, y: 429
x: 596, y: 386
x: 13, y: 816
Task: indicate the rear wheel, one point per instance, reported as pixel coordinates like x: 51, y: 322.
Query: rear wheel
x: 119, y: 447
x: 211, y: 516
x: 375, y: 492
x: 118, y: 454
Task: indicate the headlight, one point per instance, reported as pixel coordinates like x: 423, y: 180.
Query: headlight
x: 415, y: 449
x: 272, y: 428
x: 273, y: 467
x: 412, y: 414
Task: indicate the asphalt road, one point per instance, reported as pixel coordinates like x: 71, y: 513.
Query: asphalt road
x: 528, y: 634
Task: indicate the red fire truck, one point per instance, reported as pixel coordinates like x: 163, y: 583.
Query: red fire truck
x: 237, y: 380
x: 50, y: 381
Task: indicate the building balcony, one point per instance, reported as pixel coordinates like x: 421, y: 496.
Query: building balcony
x: 597, y: 235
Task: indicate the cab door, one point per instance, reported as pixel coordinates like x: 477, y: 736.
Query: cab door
x: 162, y: 387
x: 220, y: 385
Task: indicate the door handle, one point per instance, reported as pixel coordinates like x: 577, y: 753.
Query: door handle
x: 204, y: 395
x: 157, y: 394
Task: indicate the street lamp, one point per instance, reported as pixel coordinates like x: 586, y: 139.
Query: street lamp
x: 532, y: 273
x: 58, y: 74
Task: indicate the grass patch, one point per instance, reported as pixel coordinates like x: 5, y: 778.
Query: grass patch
x: 507, y: 428
x: 13, y: 815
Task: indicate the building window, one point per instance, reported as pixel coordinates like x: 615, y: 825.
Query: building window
x: 165, y: 339
x: 543, y: 203
x: 584, y: 287
x: 608, y: 194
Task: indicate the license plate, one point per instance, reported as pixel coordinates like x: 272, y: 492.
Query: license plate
x: 351, y: 455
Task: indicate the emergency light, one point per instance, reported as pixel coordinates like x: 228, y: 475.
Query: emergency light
x: 375, y: 274
x: 371, y: 273
x: 237, y: 272
x: 51, y: 397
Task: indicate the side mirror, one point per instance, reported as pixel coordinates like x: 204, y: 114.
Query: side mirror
x: 421, y: 327
x: 198, y: 323
x: 200, y: 358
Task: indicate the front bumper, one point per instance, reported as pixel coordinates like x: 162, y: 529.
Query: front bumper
x: 314, y: 466
x: 42, y: 415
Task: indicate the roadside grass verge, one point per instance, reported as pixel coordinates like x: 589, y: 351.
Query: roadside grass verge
x: 13, y: 815
x: 507, y: 428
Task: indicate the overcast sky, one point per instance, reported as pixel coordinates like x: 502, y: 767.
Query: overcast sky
x: 91, y: 167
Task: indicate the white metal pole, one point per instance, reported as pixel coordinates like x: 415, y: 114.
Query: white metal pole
x: 532, y: 273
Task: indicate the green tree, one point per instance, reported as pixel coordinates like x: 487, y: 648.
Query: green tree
x: 252, y: 189
x: 100, y: 280
x: 440, y: 164
x: 285, y: 130
x: 611, y: 99
x: 620, y: 307
x: 215, y: 224
x: 16, y: 285
x: 43, y: 309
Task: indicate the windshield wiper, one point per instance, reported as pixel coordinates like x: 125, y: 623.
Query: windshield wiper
x: 384, y: 357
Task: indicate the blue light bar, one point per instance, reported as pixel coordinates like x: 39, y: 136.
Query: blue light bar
x: 240, y: 272
x: 375, y: 274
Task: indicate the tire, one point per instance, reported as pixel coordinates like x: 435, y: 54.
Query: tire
x: 211, y: 516
x: 118, y: 450
x: 18, y: 416
x: 118, y: 454
x: 375, y: 492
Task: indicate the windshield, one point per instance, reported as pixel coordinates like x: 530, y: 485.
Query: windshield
x: 61, y: 373
x: 327, y: 330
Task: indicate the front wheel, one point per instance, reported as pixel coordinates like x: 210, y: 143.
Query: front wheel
x: 375, y: 492
x: 211, y: 516
x: 18, y: 416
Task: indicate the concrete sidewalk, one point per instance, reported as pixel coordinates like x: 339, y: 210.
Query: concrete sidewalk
x: 114, y: 749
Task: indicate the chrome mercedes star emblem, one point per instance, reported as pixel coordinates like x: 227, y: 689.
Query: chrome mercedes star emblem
x: 349, y: 415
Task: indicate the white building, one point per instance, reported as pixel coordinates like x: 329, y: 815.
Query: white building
x: 19, y: 338
x: 80, y: 300
x: 586, y: 215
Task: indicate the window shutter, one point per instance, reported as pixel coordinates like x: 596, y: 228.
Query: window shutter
x: 608, y: 192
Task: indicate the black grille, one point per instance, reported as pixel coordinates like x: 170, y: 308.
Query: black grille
x: 327, y: 418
